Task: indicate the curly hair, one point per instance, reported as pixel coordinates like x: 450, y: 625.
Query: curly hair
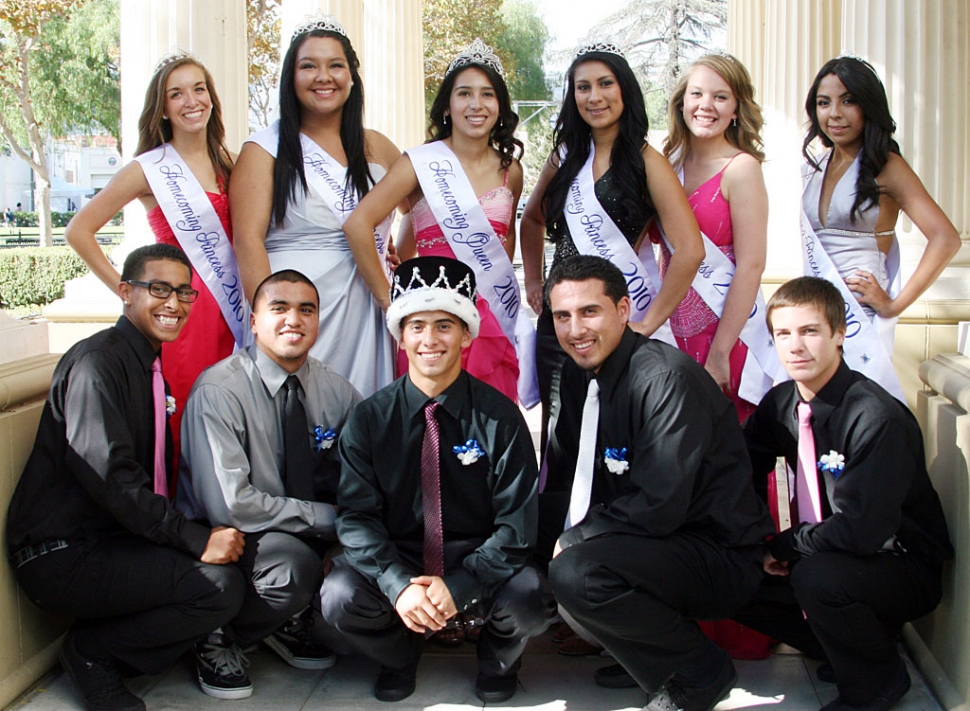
x: 862, y: 82
x: 154, y: 129
x: 288, y: 169
x: 573, y: 134
x: 745, y: 136
x: 502, y: 137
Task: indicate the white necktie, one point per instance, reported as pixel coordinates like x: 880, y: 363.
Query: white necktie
x: 583, y: 478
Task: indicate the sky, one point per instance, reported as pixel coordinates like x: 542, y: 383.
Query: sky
x: 569, y: 20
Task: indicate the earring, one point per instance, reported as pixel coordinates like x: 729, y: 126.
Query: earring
x: 444, y: 119
x: 501, y: 123
x: 734, y: 122
x: 164, y: 117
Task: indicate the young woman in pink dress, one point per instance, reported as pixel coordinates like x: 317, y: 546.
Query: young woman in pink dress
x: 714, y: 144
x: 181, y: 110
x: 471, y: 115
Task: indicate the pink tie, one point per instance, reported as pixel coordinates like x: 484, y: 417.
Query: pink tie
x: 434, y: 547
x: 806, y: 478
x: 158, y: 394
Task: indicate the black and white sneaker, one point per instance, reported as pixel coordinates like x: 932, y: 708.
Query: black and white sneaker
x: 222, y: 668
x: 293, y: 643
x: 97, y: 681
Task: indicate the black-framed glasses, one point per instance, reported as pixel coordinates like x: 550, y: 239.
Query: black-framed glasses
x: 163, y: 290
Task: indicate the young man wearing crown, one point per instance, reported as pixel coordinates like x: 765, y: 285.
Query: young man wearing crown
x: 663, y: 524
x: 437, y: 499
x: 868, y: 540
x: 258, y: 454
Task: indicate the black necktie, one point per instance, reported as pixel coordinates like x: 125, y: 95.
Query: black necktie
x: 298, y: 470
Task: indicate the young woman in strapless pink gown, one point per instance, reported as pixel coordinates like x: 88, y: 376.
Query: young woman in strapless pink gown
x: 182, y: 110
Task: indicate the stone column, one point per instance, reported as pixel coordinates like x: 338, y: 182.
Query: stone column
x: 393, y: 64
x: 783, y: 44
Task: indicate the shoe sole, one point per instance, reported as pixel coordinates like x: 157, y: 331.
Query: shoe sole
x: 392, y: 695
x: 494, y: 697
x: 307, y: 663
x: 227, y: 694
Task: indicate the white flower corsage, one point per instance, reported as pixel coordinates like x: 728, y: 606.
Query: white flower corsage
x: 616, y: 460
x: 468, y: 453
x: 832, y: 462
x: 170, y: 406
x: 324, y: 438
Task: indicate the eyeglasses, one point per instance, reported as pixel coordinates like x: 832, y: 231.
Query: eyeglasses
x: 163, y: 290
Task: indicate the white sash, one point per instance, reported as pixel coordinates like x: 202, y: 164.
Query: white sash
x: 328, y: 179
x: 463, y: 222
x: 593, y: 232
x: 863, y: 349
x: 199, y: 232
x: 762, y: 369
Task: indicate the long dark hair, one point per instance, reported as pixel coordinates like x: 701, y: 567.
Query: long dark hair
x: 154, y: 129
x: 288, y: 169
x: 573, y: 133
x: 862, y: 82
x: 502, y: 137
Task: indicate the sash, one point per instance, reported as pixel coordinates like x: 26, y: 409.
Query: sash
x: 328, y: 179
x: 762, y: 369
x: 463, y: 222
x: 199, y: 232
x: 863, y: 349
x: 593, y: 232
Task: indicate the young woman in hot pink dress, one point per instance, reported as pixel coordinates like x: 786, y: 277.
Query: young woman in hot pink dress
x: 182, y: 110
x: 472, y: 115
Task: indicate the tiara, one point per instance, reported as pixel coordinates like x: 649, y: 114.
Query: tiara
x: 722, y: 54
x: 849, y: 55
x: 176, y: 55
x: 319, y: 21
x: 608, y: 47
x: 477, y: 53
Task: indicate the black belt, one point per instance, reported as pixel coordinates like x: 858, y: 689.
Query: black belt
x: 28, y: 553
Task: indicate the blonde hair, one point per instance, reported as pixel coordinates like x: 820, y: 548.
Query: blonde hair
x: 154, y: 130
x: 745, y: 136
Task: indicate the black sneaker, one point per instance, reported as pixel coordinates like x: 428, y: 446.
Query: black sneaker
x: 222, y: 668
x: 292, y: 642
x: 395, y: 684
x: 496, y: 689
x: 704, y: 698
x: 99, y: 683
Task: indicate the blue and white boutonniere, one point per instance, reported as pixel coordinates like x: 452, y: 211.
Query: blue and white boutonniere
x: 324, y: 438
x: 832, y: 462
x: 170, y: 407
x: 616, y: 460
x: 468, y: 453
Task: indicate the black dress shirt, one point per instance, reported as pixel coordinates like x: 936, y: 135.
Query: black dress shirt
x: 883, y: 499
x: 91, y: 472
x: 489, y: 509
x: 688, y: 468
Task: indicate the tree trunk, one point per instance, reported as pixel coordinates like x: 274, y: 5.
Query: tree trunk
x: 42, y: 203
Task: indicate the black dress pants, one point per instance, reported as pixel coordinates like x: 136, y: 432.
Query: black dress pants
x: 355, y: 605
x: 854, y: 608
x: 134, y: 601
x: 639, y: 598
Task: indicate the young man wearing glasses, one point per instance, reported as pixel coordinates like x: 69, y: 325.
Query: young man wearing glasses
x: 92, y: 534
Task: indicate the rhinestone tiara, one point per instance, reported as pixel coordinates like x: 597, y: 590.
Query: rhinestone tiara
x: 607, y: 47
x: 319, y: 21
x: 477, y: 53
x: 176, y: 55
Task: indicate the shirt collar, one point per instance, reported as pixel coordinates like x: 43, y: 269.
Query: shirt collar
x: 452, y: 399
x: 272, y: 374
x: 136, y: 339
x: 616, y: 364
x: 831, y: 394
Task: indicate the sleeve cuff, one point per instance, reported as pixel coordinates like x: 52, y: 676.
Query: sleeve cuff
x: 393, y: 582
x: 466, y: 590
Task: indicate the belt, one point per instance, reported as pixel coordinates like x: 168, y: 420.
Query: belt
x: 28, y: 553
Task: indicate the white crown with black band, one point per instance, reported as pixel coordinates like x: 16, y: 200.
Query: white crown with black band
x: 433, y: 284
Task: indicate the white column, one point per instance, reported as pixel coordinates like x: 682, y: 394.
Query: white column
x: 393, y: 66
x: 213, y: 30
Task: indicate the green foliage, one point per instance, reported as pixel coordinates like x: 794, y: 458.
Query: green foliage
x: 36, y: 275
x: 58, y: 219
x: 263, y: 21
x: 525, y: 37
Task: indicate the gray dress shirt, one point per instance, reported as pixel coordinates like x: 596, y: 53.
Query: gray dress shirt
x: 232, y: 445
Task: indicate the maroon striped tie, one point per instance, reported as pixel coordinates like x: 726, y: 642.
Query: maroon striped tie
x: 434, y: 546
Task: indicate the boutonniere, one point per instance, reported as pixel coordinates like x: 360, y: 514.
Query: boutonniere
x: 832, y: 462
x: 170, y: 407
x: 468, y: 453
x: 616, y: 460
x: 324, y: 438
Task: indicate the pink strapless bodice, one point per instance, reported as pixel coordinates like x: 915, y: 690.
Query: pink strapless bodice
x: 497, y: 204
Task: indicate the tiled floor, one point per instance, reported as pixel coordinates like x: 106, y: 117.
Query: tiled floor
x: 548, y: 682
